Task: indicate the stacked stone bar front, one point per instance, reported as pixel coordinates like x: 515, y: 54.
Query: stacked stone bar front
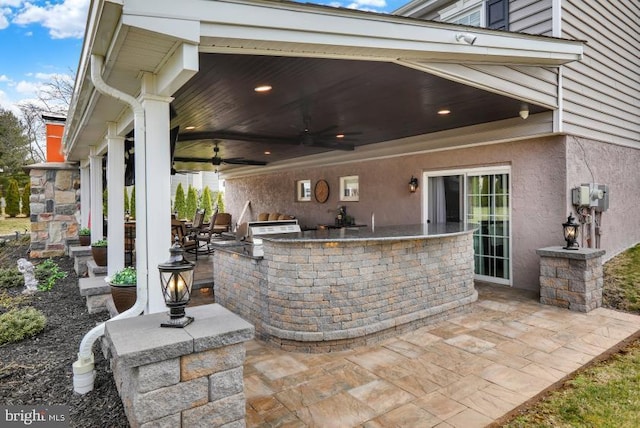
x: 571, y: 279
x: 55, y: 208
x: 173, y: 377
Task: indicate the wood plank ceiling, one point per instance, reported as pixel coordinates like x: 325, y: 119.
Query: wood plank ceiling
x: 368, y: 102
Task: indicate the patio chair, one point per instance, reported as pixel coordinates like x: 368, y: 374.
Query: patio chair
x: 129, y: 243
x: 222, y: 223
x: 189, y: 244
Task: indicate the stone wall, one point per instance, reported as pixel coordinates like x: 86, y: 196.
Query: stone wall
x: 319, y: 297
x: 55, y: 208
x: 181, y: 377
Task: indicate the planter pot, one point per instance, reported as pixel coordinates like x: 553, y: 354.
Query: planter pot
x: 85, y: 240
x: 99, y: 255
x: 124, y: 296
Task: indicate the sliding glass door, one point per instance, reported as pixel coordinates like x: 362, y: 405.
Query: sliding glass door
x: 482, y: 197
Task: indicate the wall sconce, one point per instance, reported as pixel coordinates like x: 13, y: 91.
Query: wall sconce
x: 524, y: 111
x: 570, y: 229
x: 466, y: 37
x: 176, y: 280
x: 413, y: 184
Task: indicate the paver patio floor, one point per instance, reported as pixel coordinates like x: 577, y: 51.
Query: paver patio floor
x: 464, y: 372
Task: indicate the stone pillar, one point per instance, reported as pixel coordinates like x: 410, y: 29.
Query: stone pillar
x: 571, y: 278
x: 181, y: 377
x: 55, y: 208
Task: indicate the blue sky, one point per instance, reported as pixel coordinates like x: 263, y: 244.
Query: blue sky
x: 41, y: 38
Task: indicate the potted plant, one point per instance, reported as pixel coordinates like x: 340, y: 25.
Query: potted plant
x: 123, y: 288
x: 99, y: 252
x: 85, y: 236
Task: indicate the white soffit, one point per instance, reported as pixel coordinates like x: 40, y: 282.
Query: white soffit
x: 525, y: 83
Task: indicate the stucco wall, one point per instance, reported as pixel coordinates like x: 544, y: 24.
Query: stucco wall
x: 591, y: 161
x: 538, y: 193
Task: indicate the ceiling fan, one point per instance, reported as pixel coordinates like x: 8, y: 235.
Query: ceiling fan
x: 329, y: 137
x: 217, y: 160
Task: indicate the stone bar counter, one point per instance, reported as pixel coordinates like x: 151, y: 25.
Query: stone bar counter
x: 334, y: 289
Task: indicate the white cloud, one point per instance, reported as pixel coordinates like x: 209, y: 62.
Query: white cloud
x: 10, y: 3
x: 366, y: 5
x: 24, y: 87
x: 4, y: 78
x: 4, y: 21
x: 64, y: 20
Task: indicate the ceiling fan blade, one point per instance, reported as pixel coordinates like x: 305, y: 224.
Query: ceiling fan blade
x: 187, y: 160
x: 241, y: 161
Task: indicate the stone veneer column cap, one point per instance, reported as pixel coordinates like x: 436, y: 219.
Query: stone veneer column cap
x: 140, y: 340
x: 53, y: 165
x: 579, y: 254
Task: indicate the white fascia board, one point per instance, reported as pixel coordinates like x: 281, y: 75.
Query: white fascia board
x: 379, y: 35
x: 187, y: 30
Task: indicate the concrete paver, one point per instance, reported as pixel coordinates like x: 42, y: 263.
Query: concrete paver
x: 464, y: 372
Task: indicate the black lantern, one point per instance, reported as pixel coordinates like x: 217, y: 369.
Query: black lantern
x: 570, y: 229
x: 413, y: 184
x: 176, y: 279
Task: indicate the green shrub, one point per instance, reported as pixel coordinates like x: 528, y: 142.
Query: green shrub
x: 180, y: 204
x: 105, y: 202
x: 26, y: 195
x: 126, y: 276
x: 48, y: 273
x: 132, y: 202
x: 220, y: 202
x: 9, y: 301
x: 84, y: 231
x: 100, y: 243
x: 192, y: 202
x: 18, y: 324
x: 127, y: 207
x: 10, y: 278
x: 207, y: 203
x: 13, y: 199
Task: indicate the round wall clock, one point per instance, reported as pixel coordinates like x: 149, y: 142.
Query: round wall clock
x: 321, y: 191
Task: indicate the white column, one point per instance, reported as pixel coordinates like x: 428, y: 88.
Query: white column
x: 115, y: 205
x: 85, y: 195
x: 153, y: 192
x: 95, y: 171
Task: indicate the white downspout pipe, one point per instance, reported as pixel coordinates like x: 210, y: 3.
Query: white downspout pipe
x: 83, y: 368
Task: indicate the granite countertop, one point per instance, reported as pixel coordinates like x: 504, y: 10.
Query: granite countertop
x: 379, y: 233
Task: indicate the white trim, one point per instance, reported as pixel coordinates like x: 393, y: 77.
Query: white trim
x: 556, y: 18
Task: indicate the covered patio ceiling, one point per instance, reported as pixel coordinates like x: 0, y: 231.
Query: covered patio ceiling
x: 315, y: 105
x: 373, y: 78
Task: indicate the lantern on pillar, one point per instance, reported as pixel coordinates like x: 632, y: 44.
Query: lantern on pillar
x: 570, y: 229
x: 176, y: 280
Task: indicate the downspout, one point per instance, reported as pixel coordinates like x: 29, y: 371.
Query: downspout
x: 83, y: 368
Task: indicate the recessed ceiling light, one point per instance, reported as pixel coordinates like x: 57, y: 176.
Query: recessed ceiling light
x: 340, y: 136
x: 189, y: 128
x: 263, y: 88
x: 267, y: 153
x: 444, y: 111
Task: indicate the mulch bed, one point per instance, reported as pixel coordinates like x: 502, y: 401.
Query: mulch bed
x: 38, y: 371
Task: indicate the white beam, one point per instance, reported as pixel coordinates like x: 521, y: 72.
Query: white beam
x: 97, y: 221
x: 153, y: 191
x: 85, y: 195
x: 115, y: 196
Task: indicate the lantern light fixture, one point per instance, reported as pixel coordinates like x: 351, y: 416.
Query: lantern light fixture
x: 570, y: 229
x: 413, y: 184
x: 176, y: 280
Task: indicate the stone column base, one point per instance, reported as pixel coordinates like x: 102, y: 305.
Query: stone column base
x: 571, y: 279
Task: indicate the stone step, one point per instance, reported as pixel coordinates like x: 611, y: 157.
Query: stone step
x: 93, y: 285
x: 94, y: 270
x: 97, y: 292
x: 80, y: 256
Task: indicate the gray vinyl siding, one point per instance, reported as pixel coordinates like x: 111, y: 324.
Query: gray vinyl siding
x: 531, y: 17
x: 602, y: 92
